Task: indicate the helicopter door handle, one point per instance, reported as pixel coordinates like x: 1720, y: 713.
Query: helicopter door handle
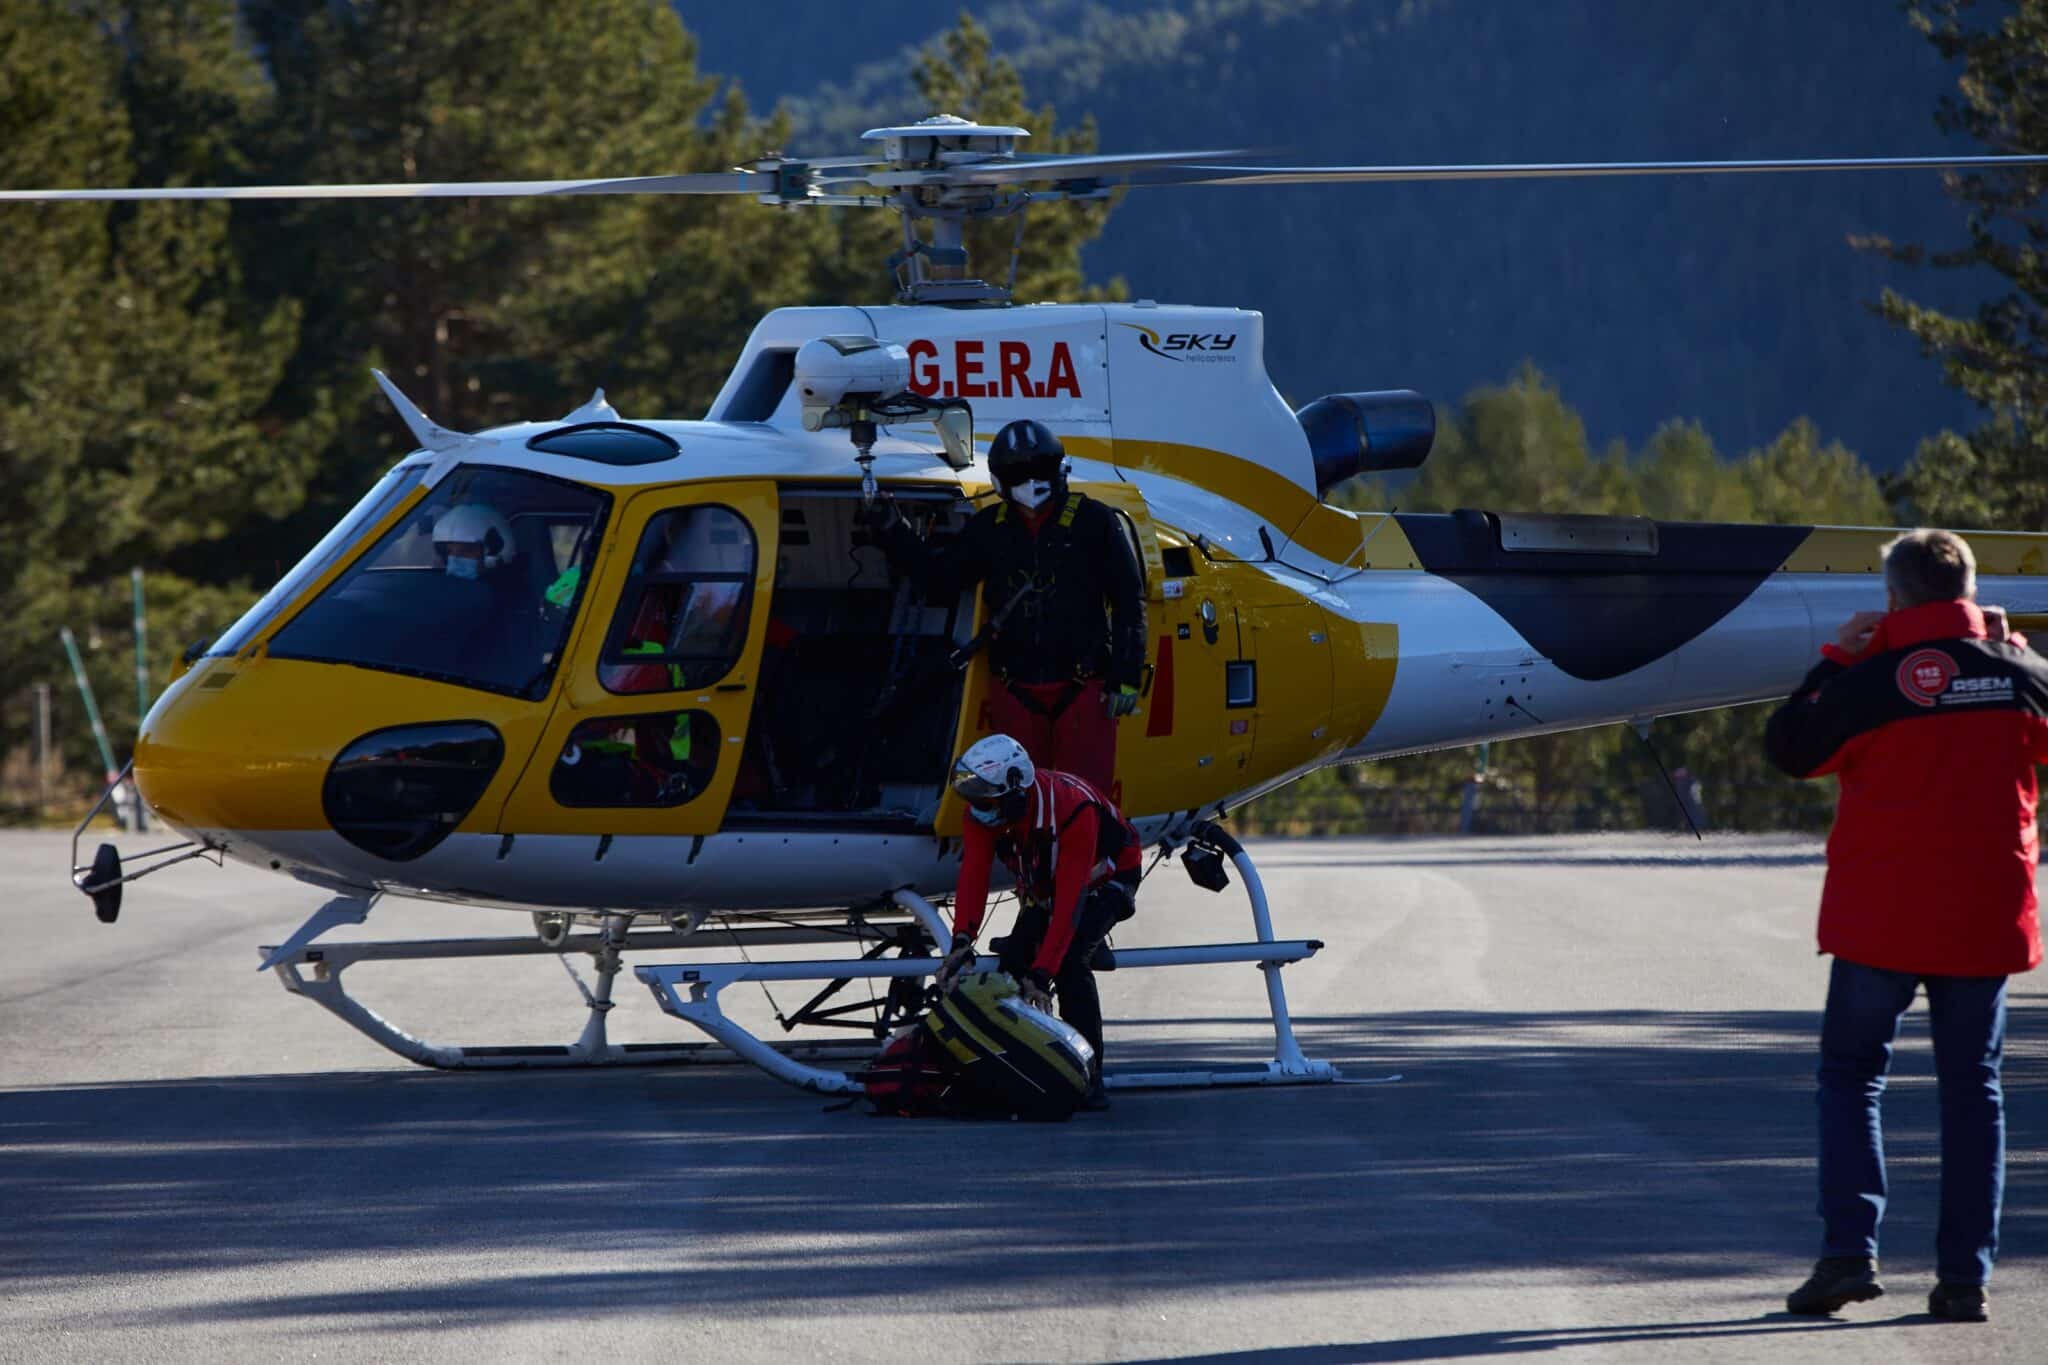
x: 730, y: 687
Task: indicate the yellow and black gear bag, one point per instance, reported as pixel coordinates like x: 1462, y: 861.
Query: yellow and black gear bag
x: 1009, y: 1057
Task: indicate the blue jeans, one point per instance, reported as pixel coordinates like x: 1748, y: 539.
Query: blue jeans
x: 1967, y: 1018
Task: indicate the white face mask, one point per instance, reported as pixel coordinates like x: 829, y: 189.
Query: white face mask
x: 462, y: 566
x: 991, y: 818
x: 1031, y: 496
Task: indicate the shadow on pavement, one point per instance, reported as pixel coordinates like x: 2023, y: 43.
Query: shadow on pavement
x: 1511, y: 1343
x: 1595, y: 1144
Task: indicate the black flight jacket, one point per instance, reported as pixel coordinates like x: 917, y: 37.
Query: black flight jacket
x: 1070, y: 599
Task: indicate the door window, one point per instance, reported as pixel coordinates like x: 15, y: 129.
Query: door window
x: 682, y: 618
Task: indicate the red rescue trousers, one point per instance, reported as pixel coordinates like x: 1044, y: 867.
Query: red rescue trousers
x: 1079, y: 738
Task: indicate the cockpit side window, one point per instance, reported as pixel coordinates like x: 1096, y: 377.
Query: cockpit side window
x: 477, y: 586
x: 682, y: 620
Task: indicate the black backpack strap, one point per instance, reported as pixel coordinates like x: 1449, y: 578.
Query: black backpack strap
x: 1056, y: 709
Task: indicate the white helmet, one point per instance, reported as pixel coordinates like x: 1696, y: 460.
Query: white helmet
x: 992, y: 778
x: 473, y: 534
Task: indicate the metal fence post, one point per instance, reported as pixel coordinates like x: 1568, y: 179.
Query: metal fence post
x: 42, y: 691
x: 92, y: 710
x: 141, y: 684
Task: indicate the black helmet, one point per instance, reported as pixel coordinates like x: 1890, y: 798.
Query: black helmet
x: 1027, y: 452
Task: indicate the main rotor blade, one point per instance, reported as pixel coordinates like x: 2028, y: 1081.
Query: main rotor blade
x: 1579, y: 170
x: 1138, y: 170
x: 729, y: 182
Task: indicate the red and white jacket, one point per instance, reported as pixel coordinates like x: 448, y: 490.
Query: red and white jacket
x: 1069, y: 839
x: 1933, y: 732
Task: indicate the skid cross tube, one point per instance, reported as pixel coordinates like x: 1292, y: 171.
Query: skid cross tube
x: 885, y: 1013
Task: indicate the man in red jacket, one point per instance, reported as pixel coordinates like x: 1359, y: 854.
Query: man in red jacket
x: 1075, y: 863
x: 1933, y: 721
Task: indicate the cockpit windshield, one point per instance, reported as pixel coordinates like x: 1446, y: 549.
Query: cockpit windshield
x: 476, y: 586
x: 373, y: 507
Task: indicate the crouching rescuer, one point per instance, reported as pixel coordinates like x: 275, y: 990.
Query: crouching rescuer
x: 1075, y: 861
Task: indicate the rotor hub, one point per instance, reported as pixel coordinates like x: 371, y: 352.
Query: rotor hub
x: 943, y: 141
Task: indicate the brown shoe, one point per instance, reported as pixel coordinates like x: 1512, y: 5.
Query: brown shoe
x: 1960, y: 1302
x: 1836, y: 1280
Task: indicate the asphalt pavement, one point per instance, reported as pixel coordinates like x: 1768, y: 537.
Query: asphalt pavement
x: 1600, y: 1147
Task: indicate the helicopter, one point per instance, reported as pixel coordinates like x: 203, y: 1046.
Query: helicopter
x: 694, y: 705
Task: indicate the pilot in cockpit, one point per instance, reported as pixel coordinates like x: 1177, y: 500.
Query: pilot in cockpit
x: 476, y: 546
x: 474, y: 542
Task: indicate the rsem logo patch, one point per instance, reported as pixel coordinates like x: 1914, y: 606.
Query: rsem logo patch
x: 1924, y: 675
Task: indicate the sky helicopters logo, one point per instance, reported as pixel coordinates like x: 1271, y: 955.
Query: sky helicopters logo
x: 1202, y: 348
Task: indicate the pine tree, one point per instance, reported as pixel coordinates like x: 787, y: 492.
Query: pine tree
x: 1797, y: 479
x: 1519, y: 447
x: 1996, y: 475
x: 1683, y: 478
x: 133, y: 374
x: 458, y: 299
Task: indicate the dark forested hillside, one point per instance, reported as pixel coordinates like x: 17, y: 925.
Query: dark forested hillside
x: 1737, y: 303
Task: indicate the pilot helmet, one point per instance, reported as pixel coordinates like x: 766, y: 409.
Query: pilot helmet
x: 473, y: 540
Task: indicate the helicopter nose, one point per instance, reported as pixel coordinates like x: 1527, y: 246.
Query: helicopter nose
x: 389, y: 763
x: 226, y: 749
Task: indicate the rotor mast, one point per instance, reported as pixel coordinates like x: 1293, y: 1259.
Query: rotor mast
x: 934, y: 270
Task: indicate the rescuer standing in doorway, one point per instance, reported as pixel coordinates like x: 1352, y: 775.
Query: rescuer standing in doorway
x: 1063, y: 599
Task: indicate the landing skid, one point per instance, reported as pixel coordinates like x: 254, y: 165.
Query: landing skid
x: 690, y: 991
x: 315, y: 972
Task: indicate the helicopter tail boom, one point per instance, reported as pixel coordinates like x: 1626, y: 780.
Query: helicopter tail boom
x: 1512, y: 626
